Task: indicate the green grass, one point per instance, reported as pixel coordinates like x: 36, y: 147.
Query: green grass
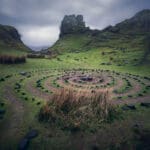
x: 74, y: 43
x: 91, y: 59
x: 13, y: 52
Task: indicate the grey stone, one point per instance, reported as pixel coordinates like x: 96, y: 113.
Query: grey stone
x: 23, y: 144
x: 32, y: 134
x: 129, y: 107
x: 145, y: 104
x: 72, y: 24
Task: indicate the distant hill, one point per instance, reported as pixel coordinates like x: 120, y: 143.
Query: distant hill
x: 10, y: 41
x: 127, y: 35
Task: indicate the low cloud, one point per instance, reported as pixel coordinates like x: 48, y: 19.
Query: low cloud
x: 39, y: 36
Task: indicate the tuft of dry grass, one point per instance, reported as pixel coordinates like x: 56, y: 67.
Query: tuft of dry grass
x: 75, y: 109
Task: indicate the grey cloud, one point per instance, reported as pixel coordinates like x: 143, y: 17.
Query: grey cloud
x: 34, y: 16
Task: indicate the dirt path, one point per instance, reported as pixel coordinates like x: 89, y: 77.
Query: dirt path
x: 35, y: 91
x: 132, y: 100
x: 13, y: 124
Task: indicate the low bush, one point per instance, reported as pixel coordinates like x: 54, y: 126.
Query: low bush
x: 8, y: 59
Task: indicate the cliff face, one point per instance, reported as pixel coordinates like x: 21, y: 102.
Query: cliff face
x: 138, y: 24
x: 72, y: 24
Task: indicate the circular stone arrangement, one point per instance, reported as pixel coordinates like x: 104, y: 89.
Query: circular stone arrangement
x: 38, y: 86
x: 122, y: 87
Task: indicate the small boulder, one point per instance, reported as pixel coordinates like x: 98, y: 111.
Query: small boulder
x: 32, y: 134
x: 2, y: 111
x: 144, y: 104
x: 23, y: 73
x: 23, y: 144
x: 129, y: 107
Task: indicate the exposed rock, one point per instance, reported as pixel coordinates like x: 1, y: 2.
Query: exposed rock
x: 32, y: 134
x: 112, y: 29
x: 23, y: 73
x: 137, y: 24
x: 72, y: 24
x: 125, y: 31
x: 8, y: 33
x: 86, y: 78
x: 145, y: 104
x: 23, y: 144
x: 129, y: 107
x: 10, y: 37
x: 2, y: 111
x: 143, y: 139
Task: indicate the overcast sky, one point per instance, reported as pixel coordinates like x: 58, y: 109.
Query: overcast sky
x: 38, y: 21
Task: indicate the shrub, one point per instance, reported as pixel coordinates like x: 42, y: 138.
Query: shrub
x: 8, y: 59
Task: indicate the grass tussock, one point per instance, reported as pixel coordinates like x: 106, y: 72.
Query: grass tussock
x: 77, y: 110
x: 8, y: 59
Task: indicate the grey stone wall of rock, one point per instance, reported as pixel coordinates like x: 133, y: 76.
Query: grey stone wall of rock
x: 72, y: 24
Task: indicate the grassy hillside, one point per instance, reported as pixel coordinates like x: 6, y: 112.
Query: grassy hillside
x: 10, y: 41
x: 128, y: 37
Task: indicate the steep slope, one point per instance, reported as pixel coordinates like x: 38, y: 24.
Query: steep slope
x: 129, y: 34
x: 139, y: 24
x: 10, y: 41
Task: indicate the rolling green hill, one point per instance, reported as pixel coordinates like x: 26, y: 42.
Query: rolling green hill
x: 10, y: 41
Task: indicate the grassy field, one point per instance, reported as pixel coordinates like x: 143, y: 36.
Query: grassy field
x: 22, y: 97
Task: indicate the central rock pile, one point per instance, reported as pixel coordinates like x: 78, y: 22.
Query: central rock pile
x: 72, y: 24
x: 86, y: 79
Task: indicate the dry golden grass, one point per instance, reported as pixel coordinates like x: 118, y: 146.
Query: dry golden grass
x: 77, y: 107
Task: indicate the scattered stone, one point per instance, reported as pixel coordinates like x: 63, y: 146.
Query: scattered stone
x: 32, y: 134
x: 95, y: 147
x: 86, y: 78
x: 23, y: 145
x: 93, y: 91
x: 129, y: 107
x: 2, y: 111
x: 136, y: 125
x: 2, y: 104
x: 143, y: 139
x: 23, y: 73
x: 145, y: 104
x: 2, y: 79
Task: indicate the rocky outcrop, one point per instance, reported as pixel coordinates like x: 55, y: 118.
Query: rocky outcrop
x: 9, y: 34
x: 137, y: 24
x: 72, y: 24
x: 128, y: 31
